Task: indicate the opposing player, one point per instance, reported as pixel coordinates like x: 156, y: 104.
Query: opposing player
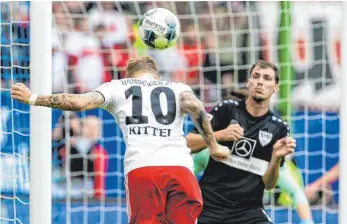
x: 160, y: 184
x: 329, y: 177
x: 258, y: 140
x: 287, y: 183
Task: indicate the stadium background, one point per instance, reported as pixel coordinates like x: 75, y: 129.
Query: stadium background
x: 219, y: 42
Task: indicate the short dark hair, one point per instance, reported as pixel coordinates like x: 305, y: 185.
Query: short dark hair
x: 267, y: 64
x: 141, y: 63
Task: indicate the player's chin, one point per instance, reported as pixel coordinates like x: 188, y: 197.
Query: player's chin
x: 258, y: 97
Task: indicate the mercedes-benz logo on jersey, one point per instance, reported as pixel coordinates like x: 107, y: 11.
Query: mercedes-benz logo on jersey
x: 243, y: 148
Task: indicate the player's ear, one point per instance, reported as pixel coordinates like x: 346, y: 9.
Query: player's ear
x: 277, y: 87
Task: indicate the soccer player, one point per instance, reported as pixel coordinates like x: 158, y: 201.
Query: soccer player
x: 160, y: 184
x: 287, y: 183
x: 289, y: 180
x: 258, y: 140
x: 323, y: 182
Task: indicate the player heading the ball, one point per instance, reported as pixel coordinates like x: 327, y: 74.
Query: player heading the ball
x: 160, y: 183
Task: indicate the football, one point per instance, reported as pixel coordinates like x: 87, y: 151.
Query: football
x: 159, y: 28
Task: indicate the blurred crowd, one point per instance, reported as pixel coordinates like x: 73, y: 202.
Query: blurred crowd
x: 14, y: 40
x: 92, y: 43
x: 80, y: 154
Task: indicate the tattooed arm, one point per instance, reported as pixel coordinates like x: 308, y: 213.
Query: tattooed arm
x: 70, y: 102
x: 192, y: 106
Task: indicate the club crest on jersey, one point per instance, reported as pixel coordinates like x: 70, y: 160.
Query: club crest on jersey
x: 264, y: 138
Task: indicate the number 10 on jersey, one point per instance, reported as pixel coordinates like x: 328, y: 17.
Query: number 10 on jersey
x: 137, y: 104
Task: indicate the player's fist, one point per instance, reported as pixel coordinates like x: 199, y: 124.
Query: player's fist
x: 283, y: 147
x: 232, y: 133
x: 20, y: 92
x: 220, y: 153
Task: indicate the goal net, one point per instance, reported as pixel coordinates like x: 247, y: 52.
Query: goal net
x: 219, y: 42
x: 14, y: 119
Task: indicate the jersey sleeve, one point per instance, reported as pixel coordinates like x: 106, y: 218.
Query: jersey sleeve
x: 219, y: 116
x: 284, y: 131
x: 108, y: 91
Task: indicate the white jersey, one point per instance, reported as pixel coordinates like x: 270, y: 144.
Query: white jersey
x: 150, y: 117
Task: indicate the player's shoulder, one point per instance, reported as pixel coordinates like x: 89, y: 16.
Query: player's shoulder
x: 179, y: 87
x: 108, y: 87
x: 113, y: 83
x: 226, y: 105
x: 279, y: 122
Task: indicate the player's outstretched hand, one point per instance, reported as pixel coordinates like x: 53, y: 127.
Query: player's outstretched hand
x: 232, y: 133
x: 20, y: 92
x: 311, y: 191
x: 220, y: 153
x: 284, y: 146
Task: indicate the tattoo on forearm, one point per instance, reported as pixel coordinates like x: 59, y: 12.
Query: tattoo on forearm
x: 71, y: 102
x: 56, y: 100
x: 204, y: 126
x: 191, y: 105
x: 59, y: 101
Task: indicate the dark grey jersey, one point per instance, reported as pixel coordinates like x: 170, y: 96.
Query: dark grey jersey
x: 238, y: 181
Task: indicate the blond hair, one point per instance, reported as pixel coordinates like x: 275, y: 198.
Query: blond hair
x: 141, y: 63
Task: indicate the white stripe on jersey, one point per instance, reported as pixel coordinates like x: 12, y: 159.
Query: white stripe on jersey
x: 127, y: 197
x: 268, y: 217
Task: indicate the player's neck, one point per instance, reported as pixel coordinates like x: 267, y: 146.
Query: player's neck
x: 144, y: 74
x: 256, y: 109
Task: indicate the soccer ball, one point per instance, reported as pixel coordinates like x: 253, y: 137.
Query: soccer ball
x: 159, y: 28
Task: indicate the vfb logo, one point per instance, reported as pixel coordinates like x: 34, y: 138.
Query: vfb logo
x: 264, y: 138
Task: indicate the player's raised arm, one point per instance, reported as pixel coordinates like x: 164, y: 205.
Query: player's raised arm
x: 281, y: 148
x: 192, y: 106
x: 64, y: 101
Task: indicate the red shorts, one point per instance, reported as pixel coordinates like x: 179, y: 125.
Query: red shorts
x: 163, y: 194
